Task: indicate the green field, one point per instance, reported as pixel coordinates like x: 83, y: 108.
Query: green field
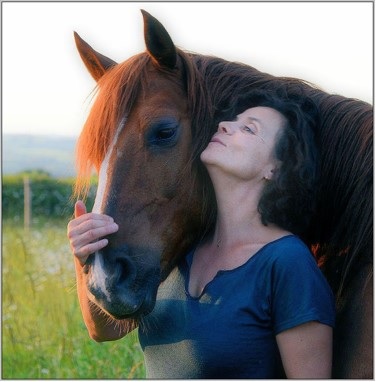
x: 43, y: 334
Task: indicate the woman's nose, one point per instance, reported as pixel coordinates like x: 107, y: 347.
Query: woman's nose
x: 224, y: 127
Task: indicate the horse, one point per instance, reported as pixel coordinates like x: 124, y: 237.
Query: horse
x: 152, y: 117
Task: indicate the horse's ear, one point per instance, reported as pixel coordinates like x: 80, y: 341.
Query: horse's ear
x: 97, y: 64
x: 158, y: 42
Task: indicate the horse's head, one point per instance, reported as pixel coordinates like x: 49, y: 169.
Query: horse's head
x: 138, y: 136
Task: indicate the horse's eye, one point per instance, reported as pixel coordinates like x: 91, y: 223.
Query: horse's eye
x: 163, y: 133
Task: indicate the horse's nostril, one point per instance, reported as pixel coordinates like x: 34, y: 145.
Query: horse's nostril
x: 126, y: 272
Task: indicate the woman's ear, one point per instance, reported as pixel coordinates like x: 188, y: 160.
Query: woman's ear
x: 269, y: 173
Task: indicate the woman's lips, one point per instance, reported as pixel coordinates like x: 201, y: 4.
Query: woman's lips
x: 217, y: 140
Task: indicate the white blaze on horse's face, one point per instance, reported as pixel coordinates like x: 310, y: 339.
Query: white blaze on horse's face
x: 98, y: 275
x: 102, y: 178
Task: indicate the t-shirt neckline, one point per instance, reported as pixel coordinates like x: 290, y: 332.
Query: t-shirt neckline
x: 189, y: 260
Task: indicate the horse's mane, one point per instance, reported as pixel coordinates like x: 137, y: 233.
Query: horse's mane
x: 343, y: 224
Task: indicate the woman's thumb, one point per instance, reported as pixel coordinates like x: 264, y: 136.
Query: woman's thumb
x: 79, y: 208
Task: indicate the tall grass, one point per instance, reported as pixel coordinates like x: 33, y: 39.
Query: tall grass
x: 43, y: 334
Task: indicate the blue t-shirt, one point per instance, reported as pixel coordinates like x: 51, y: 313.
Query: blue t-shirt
x: 229, y: 331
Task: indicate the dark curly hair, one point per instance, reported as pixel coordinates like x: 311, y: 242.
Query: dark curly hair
x: 288, y: 199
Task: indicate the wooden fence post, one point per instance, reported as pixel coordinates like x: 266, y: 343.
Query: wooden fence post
x: 27, y: 204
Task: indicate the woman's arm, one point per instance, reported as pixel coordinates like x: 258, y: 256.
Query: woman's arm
x: 85, y: 234
x: 306, y: 351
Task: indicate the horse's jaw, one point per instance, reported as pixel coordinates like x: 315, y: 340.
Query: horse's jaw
x: 119, y: 286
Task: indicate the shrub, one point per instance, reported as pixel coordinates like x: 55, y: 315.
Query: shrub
x: 50, y: 197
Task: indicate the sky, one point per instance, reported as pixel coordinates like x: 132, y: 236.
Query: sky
x: 47, y: 90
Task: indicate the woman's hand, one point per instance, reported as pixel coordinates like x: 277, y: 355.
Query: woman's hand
x: 86, y: 232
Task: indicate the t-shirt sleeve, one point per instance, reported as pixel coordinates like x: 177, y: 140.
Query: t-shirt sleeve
x: 300, y: 292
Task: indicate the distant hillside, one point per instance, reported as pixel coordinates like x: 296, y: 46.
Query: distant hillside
x: 54, y: 154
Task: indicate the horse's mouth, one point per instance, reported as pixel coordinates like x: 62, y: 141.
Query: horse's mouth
x: 121, y: 311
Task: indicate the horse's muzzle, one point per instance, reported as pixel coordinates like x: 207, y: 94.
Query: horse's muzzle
x: 123, y: 282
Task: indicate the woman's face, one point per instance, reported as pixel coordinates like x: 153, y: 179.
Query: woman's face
x: 244, y: 147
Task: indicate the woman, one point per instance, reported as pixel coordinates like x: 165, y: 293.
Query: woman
x: 249, y: 298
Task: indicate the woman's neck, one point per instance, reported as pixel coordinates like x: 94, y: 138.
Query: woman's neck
x: 238, y: 220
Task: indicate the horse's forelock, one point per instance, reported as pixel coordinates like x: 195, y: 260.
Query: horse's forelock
x: 116, y: 93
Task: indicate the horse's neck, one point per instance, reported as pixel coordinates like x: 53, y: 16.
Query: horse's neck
x: 353, y: 334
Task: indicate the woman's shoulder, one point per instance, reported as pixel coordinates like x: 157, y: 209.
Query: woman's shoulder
x: 288, y: 250
x: 289, y: 242
x: 290, y: 264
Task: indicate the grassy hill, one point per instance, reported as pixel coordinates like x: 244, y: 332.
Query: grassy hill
x: 54, y: 154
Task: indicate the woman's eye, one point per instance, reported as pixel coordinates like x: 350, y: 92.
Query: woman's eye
x: 249, y: 129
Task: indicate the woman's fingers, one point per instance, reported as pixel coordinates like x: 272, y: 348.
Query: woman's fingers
x: 84, y: 242
x: 91, y: 231
x: 89, y: 217
x: 88, y: 222
x: 82, y: 253
x: 87, y: 231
